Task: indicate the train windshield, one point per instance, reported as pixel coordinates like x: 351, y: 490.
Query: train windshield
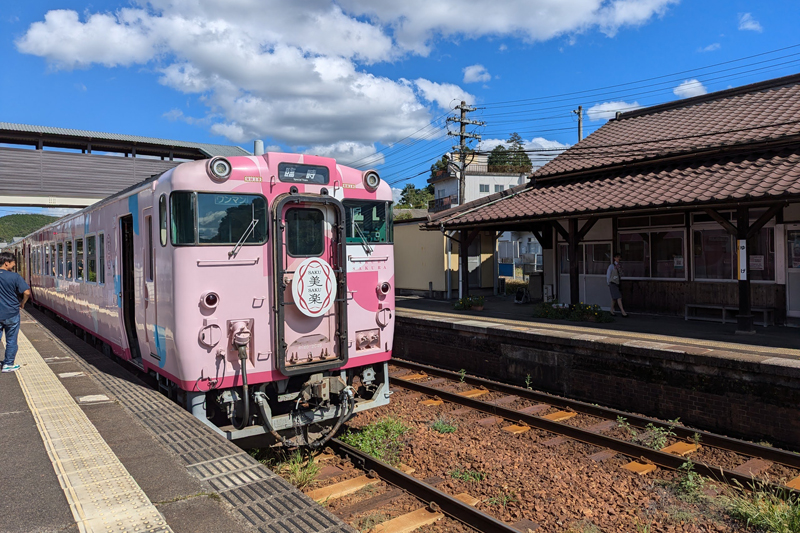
x: 211, y: 218
x: 368, y: 221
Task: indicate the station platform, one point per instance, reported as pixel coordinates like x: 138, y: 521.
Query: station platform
x: 746, y: 386
x: 88, y: 447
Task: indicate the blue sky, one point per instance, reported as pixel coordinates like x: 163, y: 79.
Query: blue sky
x: 369, y: 81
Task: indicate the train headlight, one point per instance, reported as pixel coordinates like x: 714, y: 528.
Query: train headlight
x: 384, y: 288
x: 219, y: 169
x: 371, y: 180
x: 210, y: 300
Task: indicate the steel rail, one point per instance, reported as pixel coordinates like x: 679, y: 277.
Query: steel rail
x: 659, y: 458
x: 437, y: 499
x: 711, y: 439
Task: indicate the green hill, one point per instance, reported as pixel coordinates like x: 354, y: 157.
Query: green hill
x: 21, y: 225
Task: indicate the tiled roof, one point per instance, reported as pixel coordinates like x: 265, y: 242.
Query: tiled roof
x: 207, y: 149
x: 739, y: 143
x: 757, y: 112
x: 773, y: 175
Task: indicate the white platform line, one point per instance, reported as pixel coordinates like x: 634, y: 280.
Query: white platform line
x: 103, y: 497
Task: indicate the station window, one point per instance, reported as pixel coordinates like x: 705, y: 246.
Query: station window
x: 499, y: 188
x: 68, y: 260
x: 101, y: 258
x: 714, y: 255
x: 370, y: 221
x: 78, y: 259
x: 305, y: 232
x: 162, y: 219
x: 484, y: 187
x: 91, y: 259
x: 653, y: 254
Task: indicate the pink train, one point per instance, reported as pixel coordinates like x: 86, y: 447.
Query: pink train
x: 258, y: 290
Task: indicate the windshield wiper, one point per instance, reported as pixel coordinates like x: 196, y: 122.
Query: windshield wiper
x: 250, y: 228
x: 364, y: 241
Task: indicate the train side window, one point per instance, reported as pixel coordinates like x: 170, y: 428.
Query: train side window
x: 68, y: 260
x: 183, y: 218
x: 149, y: 226
x: 162, y: 219
x: 78, y: 259
x: 305, y: 232
x: 101, y: 258
x: 57, y: 258
x: 91, y: 259
x: 47, y: 260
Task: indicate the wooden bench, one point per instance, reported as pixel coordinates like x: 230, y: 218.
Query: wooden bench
x: 767, y: 314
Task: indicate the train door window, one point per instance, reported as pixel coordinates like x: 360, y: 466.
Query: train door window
x: 68, y: 260
x: 78, y: 259
x: 183, y: 218
x: 162, y: 219
x: 47, y: 260
x: 58, y: 258
x: 101, y: 258
x: 91, y: 259
x: 305, y: 232
x: 149, y: 226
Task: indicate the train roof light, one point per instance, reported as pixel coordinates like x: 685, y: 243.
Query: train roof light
x: 371, y: 180
x: 219, y: 169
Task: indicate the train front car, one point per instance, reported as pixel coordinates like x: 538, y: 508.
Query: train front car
x: 282, y: 294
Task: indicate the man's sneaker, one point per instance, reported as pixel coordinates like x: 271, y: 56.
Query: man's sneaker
x: 10, y: 368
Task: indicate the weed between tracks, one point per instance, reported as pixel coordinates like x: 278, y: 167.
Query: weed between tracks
x: 653, y: 437
x: 366, y: 523
x: 443, y: 425
x: 759, y: 508
x: 503, y: 499
x: 471, y: 476
x: 297, y: 467
x: 381, y: 439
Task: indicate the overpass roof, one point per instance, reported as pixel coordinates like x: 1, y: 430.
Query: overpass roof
x: 111, y: 142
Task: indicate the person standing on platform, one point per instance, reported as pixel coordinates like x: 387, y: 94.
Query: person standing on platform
x: 12, y: 286
x: 612, y: 278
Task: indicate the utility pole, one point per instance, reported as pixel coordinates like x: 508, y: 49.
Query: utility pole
x: 464, y: 241
x: 462, y: 145
x: 579, y: 112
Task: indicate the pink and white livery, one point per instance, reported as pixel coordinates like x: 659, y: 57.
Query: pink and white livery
x: 259, y: 290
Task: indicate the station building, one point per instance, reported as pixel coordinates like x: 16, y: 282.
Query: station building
x: 675, y: 189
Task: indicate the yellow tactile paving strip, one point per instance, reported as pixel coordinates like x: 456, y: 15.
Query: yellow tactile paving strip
x: 101, y: 493
x: 599, y: 334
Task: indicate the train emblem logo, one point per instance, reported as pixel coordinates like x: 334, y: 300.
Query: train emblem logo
x: 314, y: 287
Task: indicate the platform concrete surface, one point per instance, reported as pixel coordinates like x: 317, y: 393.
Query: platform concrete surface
x: 128, y: 458
x: 773, y: 340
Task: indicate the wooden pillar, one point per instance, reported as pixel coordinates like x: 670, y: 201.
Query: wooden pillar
x: 463, y: 253
x: 572, y: 251
x: 745, y: 317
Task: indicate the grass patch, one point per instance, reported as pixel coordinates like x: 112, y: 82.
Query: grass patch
x: 690, y: 482
x: 471, y: 476
x: 764, y: 511
x: 503, y: 499
x: 583, y: 526
x: 652, y: 436
x: 365, y: 523
x: 382, y: 439
x: 443, y: 425
x: 297, y: 467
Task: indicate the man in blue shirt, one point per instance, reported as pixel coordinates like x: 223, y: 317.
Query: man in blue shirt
x: 11, y: 287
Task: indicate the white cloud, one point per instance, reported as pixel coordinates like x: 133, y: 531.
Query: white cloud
x: 748, y: 23
x: 298, y: 73
x: 535, y: 145
x: 363, y: 156
x: 476, y: 73
x: 710, y: 47
x: 503, y: 48
x: 396, y: 194
x: 608, y: 110
x: 446, y: 95
x: 689, y: 88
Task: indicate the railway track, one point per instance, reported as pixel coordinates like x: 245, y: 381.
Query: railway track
x: 434, y: 504
x: 641, y: 455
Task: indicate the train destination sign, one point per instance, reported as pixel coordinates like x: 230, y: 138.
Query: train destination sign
x: 314, y: 287
x: 297, y: 173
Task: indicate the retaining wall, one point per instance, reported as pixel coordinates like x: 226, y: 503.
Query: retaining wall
x: 730, y: 392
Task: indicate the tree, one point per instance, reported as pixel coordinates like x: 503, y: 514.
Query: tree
x: 439, y: 166
x: 498, y: 159
x: 413, y: 198
x: 518, y: 160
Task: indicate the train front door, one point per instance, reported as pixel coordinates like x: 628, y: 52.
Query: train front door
x: 310, y: 282
x: 127, y: 287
